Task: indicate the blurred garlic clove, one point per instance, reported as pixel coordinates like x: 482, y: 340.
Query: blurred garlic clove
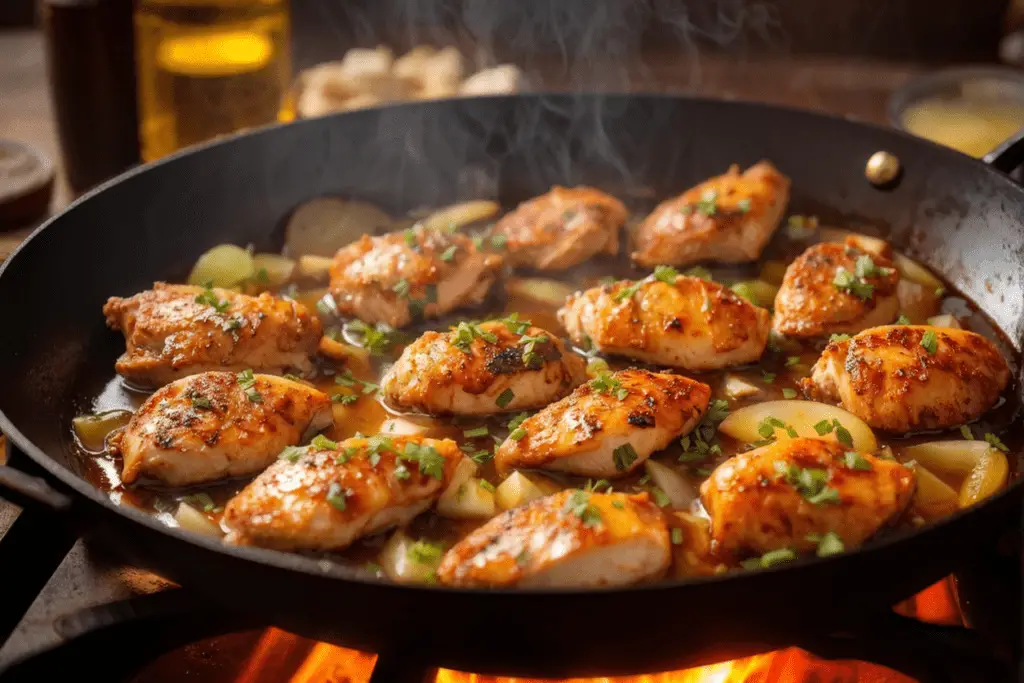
x: 412, y: 65
x: 443, y: 73
x: 504, y: 78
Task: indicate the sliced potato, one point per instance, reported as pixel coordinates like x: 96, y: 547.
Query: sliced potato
x: 352, y: 356
x: 466, y: 469
x: 988, y: 477
x: 680, y: 492
x: 757, y: 292
x: 736, y: 387
x: 322, y: 226
x: 408, y: 561
x: 773, y: 272
x: 516, y: 490
x: 934, y: 498
x: 272, y: 270
x: 957, y: 457
x: 459, y: 215
x: 945, y: 320
x: 473, y: 499
x: 915, y: 272
x: 225, y: 265
x: 549, y: 292
x: 917, y: 302
x: 193, y: 520
x: 92, y: 430
x: 743, y: 424
x: 315, y: 267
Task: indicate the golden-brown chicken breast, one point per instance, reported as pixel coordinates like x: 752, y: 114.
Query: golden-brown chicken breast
x: 562, y: 228
x: 414, y: 274
x: 570, y: 539
x: 609, y: 426
x: 480, y: 369
x: 325, y: 496
x: 669, y: 319
x: 176, y: 330
x: 218, y: 424
x: 905, y: 378
x: 788, y: 493
x: 836, y: 289
x: 728, y: 218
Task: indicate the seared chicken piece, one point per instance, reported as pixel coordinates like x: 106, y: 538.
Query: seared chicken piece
x: 905, y: 378
x: 176, y: 330
x: 836, y: 288
x: 326, y: 498
x: 569, y: 539
x: 687, y: 323
x: 562, y: 228
x: 417, y: 273
x: 788, y: 493
x: 609, y: 426
x: 218, y: 424
x: 728, y: 218
x: 482, y: 369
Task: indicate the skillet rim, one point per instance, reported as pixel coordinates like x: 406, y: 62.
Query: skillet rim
x: 310, y: 566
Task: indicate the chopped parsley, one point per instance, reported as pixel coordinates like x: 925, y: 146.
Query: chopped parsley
x: 292, y: 453
x: 504, y: 398
x: 604, y: 383
x: 699, y: 272
x: 618, y: 505
x: 322, y: 443
x: 247, y: 380
x: 766, y: 428
x: 410, y: 238
x: 209, y: 298
x: 865, y: 267
x: 475, y: 432
x: 431, y: 462
x: 628, y: 291
x: 966, y: 432
x: 514, y: 423
x: 499, y: 241
x: 660, y: 497
x: 346, y: 454
x: 449, y: 253
x: 201, y: 403
x: 743, y: 205
x: 344, y: 399
x: 379, y: 444
x: 801, y: 227
x: 377, y: 339
x: 624, y: 456
x: 401, y: 288
x: 855, y: 461
x: 514, y: 325
x: 425, y: 552
x: 402, y: 472
x: 579, y: 505
x: 517, y: 434
x: 708, y: 204
x: 809, y: 482
x: 701, y: 443
x: 677, y: 536
x: 838, y: 338
x: 996, y: 442
x: 666, y: 274
x: 902, y: 320
x: 828, y: 545
x: 930, y: 342
x: 336, y: 496
x: 792, y: 361
x: 843, y: 435
x: 768, y: 377
x: 788, y: 393
x: 597, y: 486
x: 482, y: 456
x: 531, y: 359
x: 770, y: 559
x: 845, y: 281
x: 940, y: 291
x: 465, y: 332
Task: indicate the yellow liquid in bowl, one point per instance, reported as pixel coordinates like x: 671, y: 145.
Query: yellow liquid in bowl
x: 973, y: 127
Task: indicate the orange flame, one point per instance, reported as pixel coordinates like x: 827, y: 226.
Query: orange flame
x: 332, y: 664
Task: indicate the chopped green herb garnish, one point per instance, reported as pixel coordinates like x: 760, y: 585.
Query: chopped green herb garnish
x: 475, y: 432
x: 401, y: 288
x: 628, y: 291
x: 505, y: 398
x: 996, y: 442
x: 201, y: 403
x: 644, y: 480
x: 838, y: 338
x: 425, y: 552
x: 374, y: 458
x: 517, y: 434
x: 846, y: 281
x: 830, y: 544
x: 336, y: 496
x: 677, y: 536
x: 660, y: 497
x: 322, y: 443
x: 618, y: 505
x: 247, y: 380
x: 292, y: 453
x: 465, y: 332
x: 699, y: 272
x: 605, y: 383
x: 487, y: 486
x: 855, y: 461
x: 373, y: 568
x: 209, y: 298
x: 965, y: 432
x: 598, y: 486
x: 481, y: 457
x: 344, y: 399
x: 666, y: 274
x: 517, y: 420
x: 346, y: 454
x: 766, y: 428
x: 449, y: 253
x: 902, y: 320
x: 624, y: 456
x: 378, y: 444
x: 843, y: 435
x: 930, y: 342
x: 865, y: 267
x: 327, y: 306
x: 743, y: 205
x: 579, y: 505
x: 531, y: 359
x: 499, y: 241
x: 203, y: 501
x: 940, y: 291
x: 788, y: 393
x: 792, y: 361
x: 768, y: 377
x: 402, y: 472
x: 708, y: 204
x: 770, y: 559
x: 431, y: 462
x: 515, y: 325
x: 824, y: 427
x: 410, y: 238
x: 377, y: 339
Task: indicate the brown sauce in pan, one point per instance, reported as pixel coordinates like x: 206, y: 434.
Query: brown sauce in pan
x: 776, y: 375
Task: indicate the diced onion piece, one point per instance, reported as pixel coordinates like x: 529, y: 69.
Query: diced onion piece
x: 549, y: 292
x: 401, y: 564
x: 223, y: 266
x: 460, y: 215
x: 469, y: 500
x: 945, y: 320
x: 872, y: 245
x: 917, y: 302
x: 986, y: 478
x: 933, y: 498
x: 315, y: 267
x: 92, y: 430
x: 517, y: 490
x: 272, y: 270
x: 743, y: 424
x: 355, y: 357
x: 957, y: 457
x: 913, y: 271
x: 757, y: 292
x: 736, y: 387
x: 773, y: 272
x: 193, y: 520
x: 679, y: 491
x: 322, y: 226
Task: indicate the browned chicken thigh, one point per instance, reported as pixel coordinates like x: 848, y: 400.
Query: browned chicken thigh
x: 481, y: 369
x: 685, y: 322
x: 176, y: 330
x: 904, y: 378
x: 729, y: 218
x: 570, y: 539
x: 418, y: 273
x: 562, y: 228
x: 609, y: 426
x: 792, y: 492
x: 327, y: 495
x: 836, y: 288
x: 218, y: 424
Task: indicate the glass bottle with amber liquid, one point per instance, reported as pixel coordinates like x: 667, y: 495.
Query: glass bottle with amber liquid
x: 208, y: 68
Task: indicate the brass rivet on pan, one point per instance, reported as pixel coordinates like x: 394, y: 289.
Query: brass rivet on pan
x: 882, y: 168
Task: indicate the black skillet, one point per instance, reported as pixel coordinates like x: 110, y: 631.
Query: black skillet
x: 955, y: 214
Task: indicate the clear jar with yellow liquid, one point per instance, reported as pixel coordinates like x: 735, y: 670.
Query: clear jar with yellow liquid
x: 208, y: 68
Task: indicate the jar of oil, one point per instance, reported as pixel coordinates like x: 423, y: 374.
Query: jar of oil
x: 208, y: 68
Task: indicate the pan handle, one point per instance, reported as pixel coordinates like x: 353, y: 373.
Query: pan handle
x: 28, y: 491
x: 1009, y: 155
